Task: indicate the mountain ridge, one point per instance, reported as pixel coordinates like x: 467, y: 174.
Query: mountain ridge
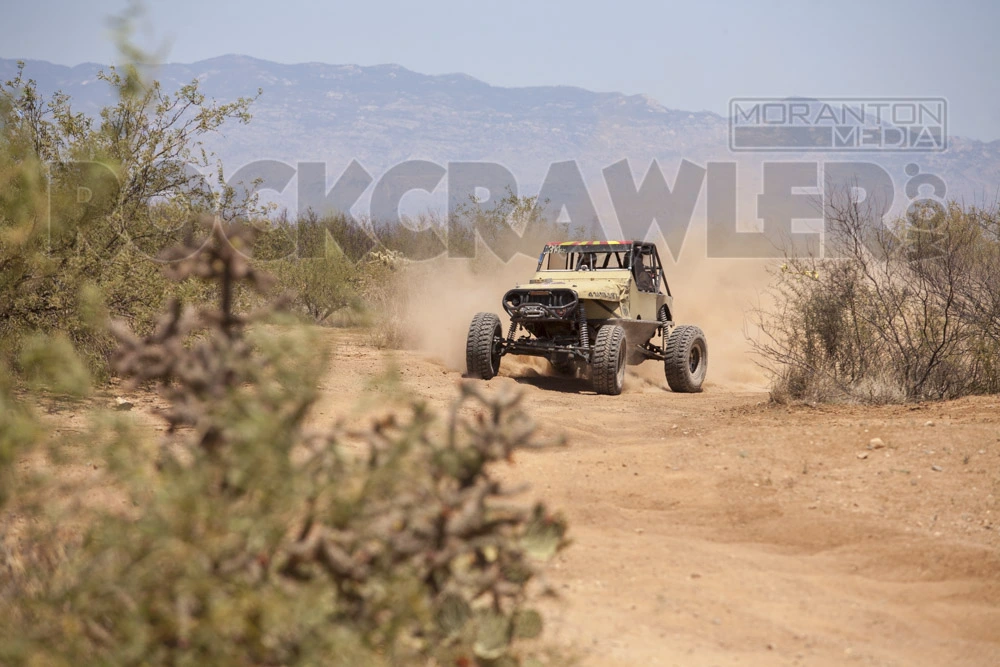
x: 381, y: 115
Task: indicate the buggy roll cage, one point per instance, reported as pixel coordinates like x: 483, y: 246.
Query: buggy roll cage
x: 624, y: 254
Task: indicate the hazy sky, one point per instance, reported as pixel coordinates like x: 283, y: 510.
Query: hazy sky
x: 692, y: 55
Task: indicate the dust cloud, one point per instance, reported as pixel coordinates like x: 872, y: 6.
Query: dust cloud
x: 444, y: 294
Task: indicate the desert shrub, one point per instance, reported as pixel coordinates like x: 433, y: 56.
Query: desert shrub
x: 247, y: 539
x: 309, y: 264
x: 337, y: 265
x: 136, y: 160
x: 318, y: 286
x: 909, y: 313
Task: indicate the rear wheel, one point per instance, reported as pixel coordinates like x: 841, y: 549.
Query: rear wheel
x: 608, y: 369
x: 686, y: 359
x: 482, y: 347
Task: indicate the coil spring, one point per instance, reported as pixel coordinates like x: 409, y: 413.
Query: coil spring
x: 584, y: 333
x: 512, y: 331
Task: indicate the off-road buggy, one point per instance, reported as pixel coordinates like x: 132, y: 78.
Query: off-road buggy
x: 591, y: 308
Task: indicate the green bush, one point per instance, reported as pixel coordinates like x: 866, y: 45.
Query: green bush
x: 57, y: 251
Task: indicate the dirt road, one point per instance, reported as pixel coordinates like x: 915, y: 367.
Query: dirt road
x: 715, y: 529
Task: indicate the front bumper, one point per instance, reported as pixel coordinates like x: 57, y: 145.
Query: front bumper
x: 540, y: 305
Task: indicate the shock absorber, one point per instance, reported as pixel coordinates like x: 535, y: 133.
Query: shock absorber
x: 663, y: 324
x: 584, y: 333
x: 512, y: 331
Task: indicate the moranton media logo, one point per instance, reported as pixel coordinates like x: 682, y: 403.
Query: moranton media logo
x: 914, y: 125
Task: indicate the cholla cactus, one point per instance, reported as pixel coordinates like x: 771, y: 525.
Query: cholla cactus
x: 390, y: 259
x: 194, y: 376
x: 252, y: 541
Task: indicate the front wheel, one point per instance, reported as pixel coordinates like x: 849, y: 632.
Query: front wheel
x: 686, y: 359
x: 482, y: 347
x: 608, y: 369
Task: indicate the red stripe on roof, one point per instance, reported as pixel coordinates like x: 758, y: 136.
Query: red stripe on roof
x: 562, y: 243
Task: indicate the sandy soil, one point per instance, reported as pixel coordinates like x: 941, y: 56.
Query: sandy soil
x: 716, y: 529
x: 719, y: 529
